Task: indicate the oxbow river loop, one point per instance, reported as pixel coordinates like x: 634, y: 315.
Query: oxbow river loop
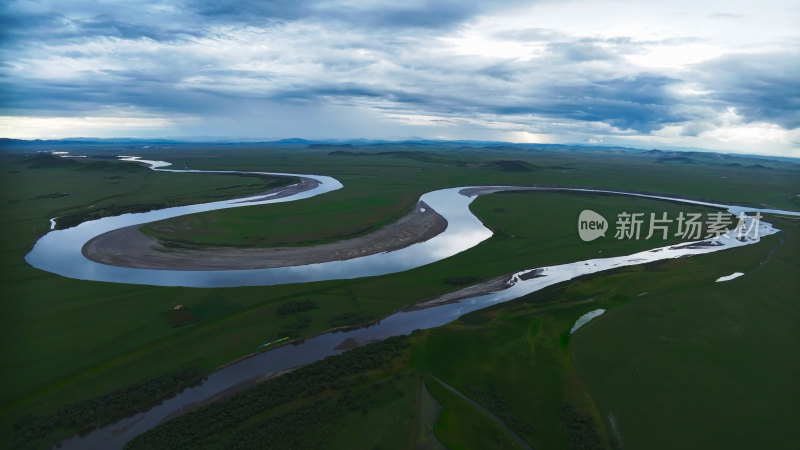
x: 60, y: 252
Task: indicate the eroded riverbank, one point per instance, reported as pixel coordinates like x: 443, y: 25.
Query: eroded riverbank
x: 129, y: 247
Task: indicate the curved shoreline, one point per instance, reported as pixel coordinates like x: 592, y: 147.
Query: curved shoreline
x: 62, y: 251
x: 129, y: 247
x: 427, y: 314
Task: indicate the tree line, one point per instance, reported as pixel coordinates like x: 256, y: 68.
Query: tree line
x: 338, y: 372
x: 30, y: 430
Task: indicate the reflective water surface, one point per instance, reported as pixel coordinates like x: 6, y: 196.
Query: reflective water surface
x: 464, y: 231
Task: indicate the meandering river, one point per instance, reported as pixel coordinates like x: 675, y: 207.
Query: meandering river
x: 59, y: 252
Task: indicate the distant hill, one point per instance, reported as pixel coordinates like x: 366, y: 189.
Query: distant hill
x: 46, y: 161
x: 512, y: 166
x: 372, y: 146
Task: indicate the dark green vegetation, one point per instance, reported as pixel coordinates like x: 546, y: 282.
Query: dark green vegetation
x: 303, y: 400
x: 694, y: 364
x: 103, y: 409
x: 381, y: 187
x: 296, y: 306
x: 68, y: 340
x: 180, y: 317
x: 664, y: 364
x: 120, y: 201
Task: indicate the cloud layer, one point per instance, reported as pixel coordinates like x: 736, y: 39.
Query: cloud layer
x: 720, y: 75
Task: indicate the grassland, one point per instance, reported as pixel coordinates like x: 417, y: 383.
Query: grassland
x: 365, y: 207
x: 665, y: 363
x: 325, y: 404
x: 696, y: 364
x: 72, y: 340
x: 381, y: 187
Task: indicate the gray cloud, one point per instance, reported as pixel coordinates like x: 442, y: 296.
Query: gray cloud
x: 251, y: 11
x: 25, y: 28
x: 107, y: 26
x: 432, y: 14
x: 724, y: 16
x: 208, y: 58
x: 531, y: 35
x: 762, y: 87
x: 579, y: 52
x: 642, y: 103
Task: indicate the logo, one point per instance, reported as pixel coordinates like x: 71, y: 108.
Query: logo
x: 591, y: 225
x: 687, y: 226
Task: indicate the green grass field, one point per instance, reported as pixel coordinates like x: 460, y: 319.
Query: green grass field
x: 70, y: 340
x: 699, y: 364
x: 664, y: 363
x: 381, y: 188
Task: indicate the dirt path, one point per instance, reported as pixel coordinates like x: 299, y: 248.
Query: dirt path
x: 522, y: 443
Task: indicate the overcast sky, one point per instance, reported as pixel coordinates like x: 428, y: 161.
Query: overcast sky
x: 710, y: 74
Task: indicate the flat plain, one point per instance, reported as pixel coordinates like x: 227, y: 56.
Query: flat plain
x: 662, y: 366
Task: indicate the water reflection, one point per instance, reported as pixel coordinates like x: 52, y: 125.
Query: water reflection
x: 59, y: 252
x: 404, y: 322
